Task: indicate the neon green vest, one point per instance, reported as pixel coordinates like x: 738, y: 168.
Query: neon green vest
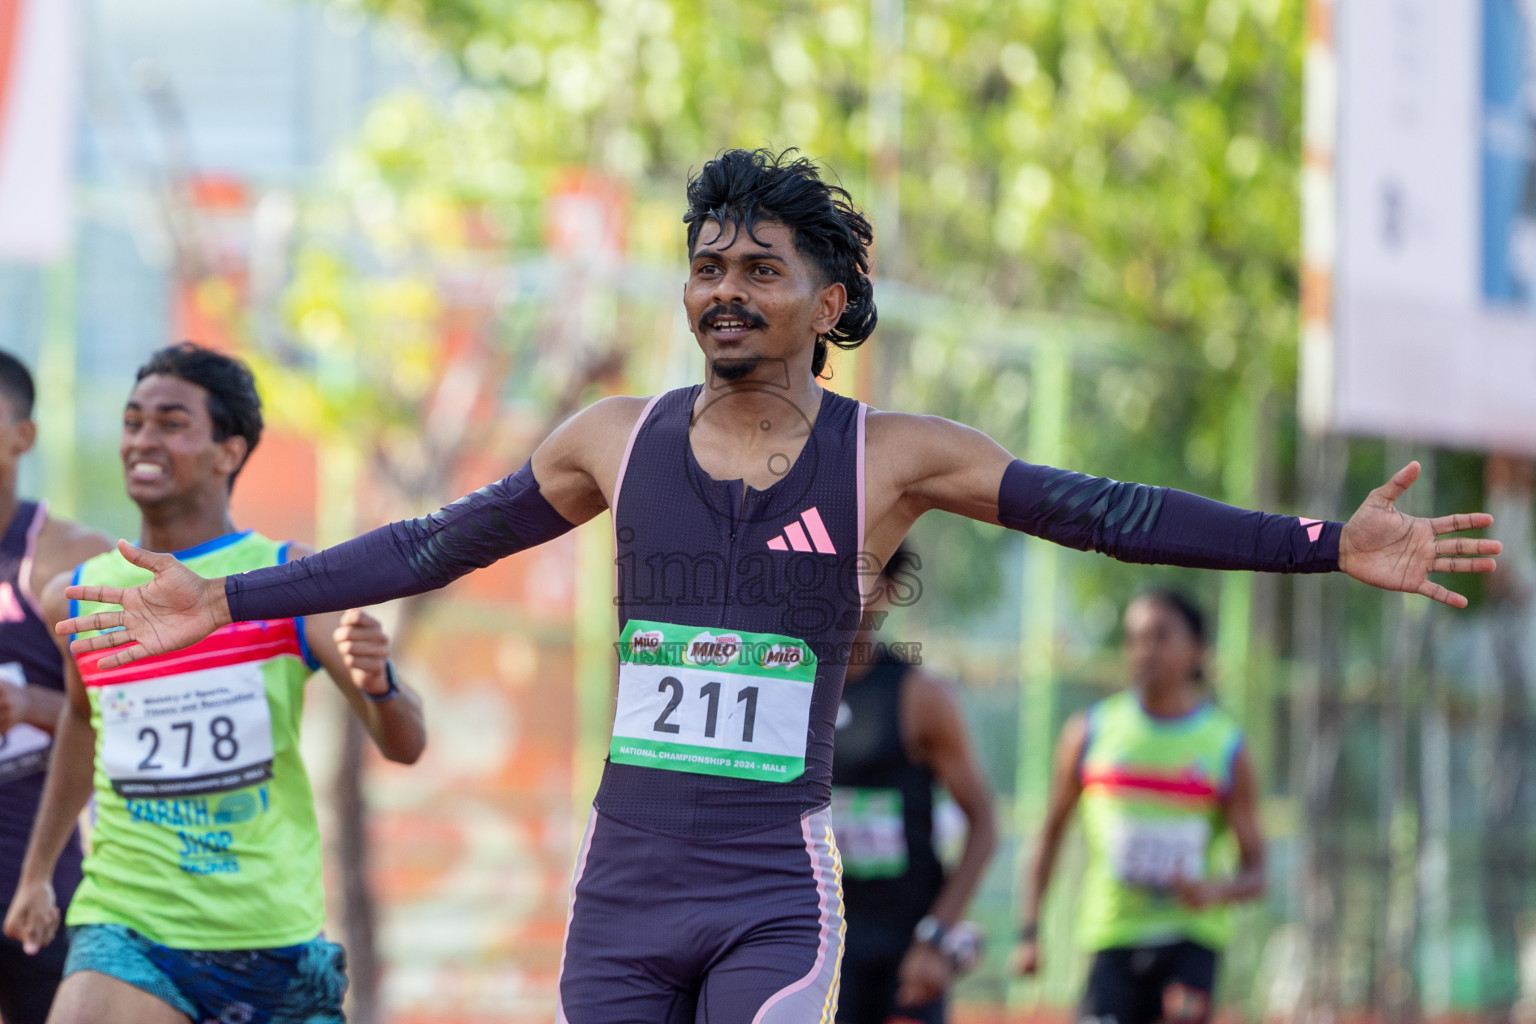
x: 1152, y: 800
x: 205, y: 833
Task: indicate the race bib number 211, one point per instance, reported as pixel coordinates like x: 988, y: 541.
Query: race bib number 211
x: 715, y: 702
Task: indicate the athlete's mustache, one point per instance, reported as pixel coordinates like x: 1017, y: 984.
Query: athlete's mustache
x: 731, y: 311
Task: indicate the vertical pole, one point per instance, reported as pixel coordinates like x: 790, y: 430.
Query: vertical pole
x: 1050, y: 387
x: 886, y: 44
x: 340, y: 469
x: 1235, y: 605
x: 56, y: 384
x: 594, y: 662
x: 1317, y: 747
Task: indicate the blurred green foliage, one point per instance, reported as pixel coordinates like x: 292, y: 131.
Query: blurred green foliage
x: 1132, y: 161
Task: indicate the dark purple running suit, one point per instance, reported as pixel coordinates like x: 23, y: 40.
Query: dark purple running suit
x: 699, y: 895
x: 28, y: 655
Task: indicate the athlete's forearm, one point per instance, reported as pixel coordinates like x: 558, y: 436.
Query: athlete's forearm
x: 1037, y: 876
x: 43, y: 707
x: 960, y: 887
x: 67, y: 788
x: 398, y: 726
x: 409, y: 557
x: 1159, y: 525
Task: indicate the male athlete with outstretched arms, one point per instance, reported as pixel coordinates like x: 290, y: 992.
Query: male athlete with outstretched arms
x: 202, y: 895
x: 748, y: 512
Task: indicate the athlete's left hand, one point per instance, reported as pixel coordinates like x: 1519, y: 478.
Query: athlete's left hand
x: 924, y: 975
x: 364, y: 647
x: 1395, y: 551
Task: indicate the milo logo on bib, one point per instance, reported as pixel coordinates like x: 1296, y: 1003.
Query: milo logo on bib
x: 708, y: 649
x: 734, y: 704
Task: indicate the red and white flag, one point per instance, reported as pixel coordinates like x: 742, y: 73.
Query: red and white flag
x: 38, y: 76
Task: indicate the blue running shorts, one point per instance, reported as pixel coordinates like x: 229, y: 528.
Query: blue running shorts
x: 301, y: 984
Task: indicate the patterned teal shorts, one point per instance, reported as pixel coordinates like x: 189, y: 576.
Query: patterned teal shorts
x: 301, y: 984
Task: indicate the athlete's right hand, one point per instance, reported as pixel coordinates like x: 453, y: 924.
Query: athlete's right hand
x: 1026, y: 957
x: 13, y: 705
x: 174, y: 610
x: 34, y: 916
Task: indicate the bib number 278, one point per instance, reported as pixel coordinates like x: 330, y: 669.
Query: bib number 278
x: 221, y: 739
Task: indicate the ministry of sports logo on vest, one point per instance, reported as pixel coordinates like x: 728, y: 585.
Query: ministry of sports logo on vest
x: 811, y: 536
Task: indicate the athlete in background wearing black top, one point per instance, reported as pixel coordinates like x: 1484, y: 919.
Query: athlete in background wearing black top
x: 901, y: 732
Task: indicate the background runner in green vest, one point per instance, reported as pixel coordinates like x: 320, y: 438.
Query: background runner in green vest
x: 1161, y: 773
x: 202, y: 895
x: 900, y: 734
x: 35, y: 546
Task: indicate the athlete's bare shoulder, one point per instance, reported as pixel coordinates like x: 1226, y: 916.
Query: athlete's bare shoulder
x: 63, y: 544
x: 578, y: 463
x: 915, y: 463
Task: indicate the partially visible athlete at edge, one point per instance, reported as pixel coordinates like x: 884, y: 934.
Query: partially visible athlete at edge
x: 202, y: 895
x: 902, y: 738
x: 35, y: 546
x: 779, y: 497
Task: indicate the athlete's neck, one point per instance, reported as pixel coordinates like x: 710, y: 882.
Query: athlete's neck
x: 1174, y: 700
x: 8, y: 501
x: 744, y: 405
x: 177, y: 529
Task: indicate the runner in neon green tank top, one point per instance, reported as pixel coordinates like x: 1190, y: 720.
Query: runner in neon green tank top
x: 202, y: 895
x: 1161, y: 774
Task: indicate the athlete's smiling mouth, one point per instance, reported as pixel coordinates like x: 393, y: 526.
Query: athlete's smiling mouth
x: 730, y: 320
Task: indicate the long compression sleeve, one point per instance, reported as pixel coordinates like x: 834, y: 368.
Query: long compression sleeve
x: 1159, y: 525
x: 404, y: 558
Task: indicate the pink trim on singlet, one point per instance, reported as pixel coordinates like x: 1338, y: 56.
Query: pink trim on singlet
x: 859, y: 474
x: 24, y: 574
x: 825, y: 923
x: 581, y: 869
x: 618, y: 483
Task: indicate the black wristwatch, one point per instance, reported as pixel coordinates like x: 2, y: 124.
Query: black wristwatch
x: 389, y: 694
x: 930, y: 932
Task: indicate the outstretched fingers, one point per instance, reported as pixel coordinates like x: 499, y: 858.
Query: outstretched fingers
x: 124, y: 655
x: 99, y: 641
x: 1467, y: 546
x: 1463, y: 521
x: 1464, y: 565
x: 97, y: 594
x: 95, y: 620
x: 1400, y: 482
x: 1436, y: 592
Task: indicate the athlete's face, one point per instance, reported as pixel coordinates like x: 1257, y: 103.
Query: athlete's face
x: 1160, y: 650
x: 16, y: 435
x: 167, y: 446
x: 753, y: 299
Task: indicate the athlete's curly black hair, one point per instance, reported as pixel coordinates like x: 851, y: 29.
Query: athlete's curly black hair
x: 744, y: 187
x: 233, y: 403
x: 16, y: 384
